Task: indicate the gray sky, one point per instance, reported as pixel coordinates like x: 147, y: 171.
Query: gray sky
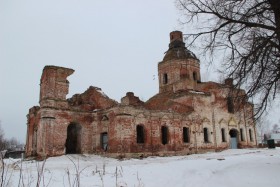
x: 114, y: 45
x: 111, y: 44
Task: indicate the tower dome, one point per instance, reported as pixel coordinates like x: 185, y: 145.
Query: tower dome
x: 177, y: 48
x: 180, y: 68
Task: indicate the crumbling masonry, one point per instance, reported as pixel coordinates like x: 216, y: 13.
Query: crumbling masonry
x: 186, y: 116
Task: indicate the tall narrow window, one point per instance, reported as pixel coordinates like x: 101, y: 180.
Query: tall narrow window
x: 230, y: 105
x: 164, y: 135
x: 223, y: 135
x: 205, y: 133
x: 250, y: 135
x: 186, y: 137
x: 104, y: 140
x: 194, y: 76
x: 241, y: 135
x: 165, y: 78
x: 140, y: 133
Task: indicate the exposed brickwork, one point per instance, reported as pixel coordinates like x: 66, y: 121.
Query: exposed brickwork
x: 54, y: 87
x: 92, y: 99
x: 130, y: 99
x: 191, y: 113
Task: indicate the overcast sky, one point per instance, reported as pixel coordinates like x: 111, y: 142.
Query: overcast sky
x: 112, y: 44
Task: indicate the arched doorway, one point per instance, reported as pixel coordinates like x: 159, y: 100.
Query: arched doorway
x: 233, y: 138
x: 73, y: 141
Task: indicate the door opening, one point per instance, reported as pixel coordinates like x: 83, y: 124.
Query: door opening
x: 233, y: 138
x: 73, y: 141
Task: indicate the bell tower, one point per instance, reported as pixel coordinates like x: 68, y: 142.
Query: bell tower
x: 54, y: 86
x: 180, y: 68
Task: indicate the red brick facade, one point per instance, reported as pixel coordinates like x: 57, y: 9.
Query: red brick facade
x: 186, y: 116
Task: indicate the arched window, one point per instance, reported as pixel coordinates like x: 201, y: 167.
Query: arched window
x: 250, y: 135
x: 164, y: 135
x: 165, y: 78
x: 205, y: 133
x: 194, y: 76
x: 186, y: 137
x: 241, y: 135
x: 104, y: 141
x: 140, y: 133
x: 223, y: 135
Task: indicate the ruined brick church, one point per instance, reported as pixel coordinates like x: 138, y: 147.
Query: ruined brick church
x: 186, y: 116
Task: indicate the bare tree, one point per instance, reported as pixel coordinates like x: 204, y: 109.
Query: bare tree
x: 12, y: 144
x: 263, y: 129
x: 275, y: 128
x: 246, y: 34
x: 8, y: 144
x: 3, y: 142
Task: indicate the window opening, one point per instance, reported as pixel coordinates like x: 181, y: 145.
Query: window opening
x: 205, y: 132
x: 250, y: 135
x: 140, y: 133
x: 194, y: 76
x: 104, y: 141
x: 164, y: 135
x: 165, y: 78
x: 186, y: 138
x: 241, y: 135
x: 223, y: 135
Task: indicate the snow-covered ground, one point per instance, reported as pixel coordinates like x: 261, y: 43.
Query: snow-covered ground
x: 239, y: 167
